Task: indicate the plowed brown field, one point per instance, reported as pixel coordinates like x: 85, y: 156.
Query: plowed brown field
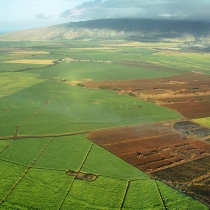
x: 189, y: 93
x: 191, y: 107
x: 150, y: 147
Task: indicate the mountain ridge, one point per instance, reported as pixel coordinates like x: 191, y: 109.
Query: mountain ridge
x: 132, y: 29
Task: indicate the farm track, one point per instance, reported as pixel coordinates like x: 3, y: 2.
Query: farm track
x: 26, y: 171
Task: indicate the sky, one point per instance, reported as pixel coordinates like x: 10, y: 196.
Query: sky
x: 25, y: 14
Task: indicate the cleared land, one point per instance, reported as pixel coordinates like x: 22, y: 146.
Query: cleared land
x: 151, y: 147
x: 189, y: 93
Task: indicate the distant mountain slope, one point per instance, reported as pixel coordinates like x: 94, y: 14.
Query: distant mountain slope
x: 116, y: 28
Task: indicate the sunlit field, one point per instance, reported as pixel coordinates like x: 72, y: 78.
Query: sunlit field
x: 47, y: 160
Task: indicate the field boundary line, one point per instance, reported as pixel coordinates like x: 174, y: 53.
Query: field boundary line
x: 43, y: 136
x: 8, y: 161
x: 149, y: 176
x: 25, y: 172
x: 76, y: 175
x: 50, y: 99
x: 125, y: 195
x: 5, y: 147
x: 37, y: 68
x: 35, y: 113
x: 162, y: 199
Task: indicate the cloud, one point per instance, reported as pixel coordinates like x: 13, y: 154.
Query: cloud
x: 42, y: 16
x: 170, y: 9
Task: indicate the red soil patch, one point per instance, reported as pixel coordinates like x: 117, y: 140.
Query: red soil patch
x: 186, y: 93
x: 191, y: 107
x: 150, y: 147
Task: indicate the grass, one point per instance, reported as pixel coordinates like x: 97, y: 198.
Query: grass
x: 102, y: 162
x: 4, y: 144
x: 176, y: 200
x: 96, y: 71
x: 9, y: 175
x: 203, y: 121
x: 65, y: 153
x: 17, y: 81
x: 143, y: 195
x: 24, y: 151
x: 103, y: 193
x: 75, y: 109
x: 11, y: 67
x: 40, y: 107
x: 18, y: 107
x: 185, y: 61
x: 39, y: 189
x: 119, y: 54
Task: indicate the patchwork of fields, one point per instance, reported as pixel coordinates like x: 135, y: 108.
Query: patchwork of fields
x: 74, y: 136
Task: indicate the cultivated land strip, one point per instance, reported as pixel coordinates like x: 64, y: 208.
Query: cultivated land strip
x: 76, y: 175
x: 35, y: 113
x: 26, y: 171
x: 8, y: 161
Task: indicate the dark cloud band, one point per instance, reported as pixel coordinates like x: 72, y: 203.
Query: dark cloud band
x: 170, y: 9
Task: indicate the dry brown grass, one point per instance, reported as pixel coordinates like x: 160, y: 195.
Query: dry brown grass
x: 30, y: 61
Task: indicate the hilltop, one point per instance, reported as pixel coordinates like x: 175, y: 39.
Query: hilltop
x: 130, y: 29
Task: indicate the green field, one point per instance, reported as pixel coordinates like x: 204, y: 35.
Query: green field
x: 104, y: 163
x: 203, y: 121
x: 143, y: 195
x: 34, y: 177
x: 37, y: 188
x: 55, y: 108
x: 45, y: 120
x: 104, y: 193
x: 65, y: 153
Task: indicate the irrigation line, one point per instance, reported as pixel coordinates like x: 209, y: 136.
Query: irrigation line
x: 26, y: 171
x: 126, y: 191
x: 163, y: 201
x: 76, y: 176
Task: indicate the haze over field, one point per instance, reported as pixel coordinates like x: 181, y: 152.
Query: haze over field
x: 26, y: 14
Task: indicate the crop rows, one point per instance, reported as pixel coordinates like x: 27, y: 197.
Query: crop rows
x: 48, y: 160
